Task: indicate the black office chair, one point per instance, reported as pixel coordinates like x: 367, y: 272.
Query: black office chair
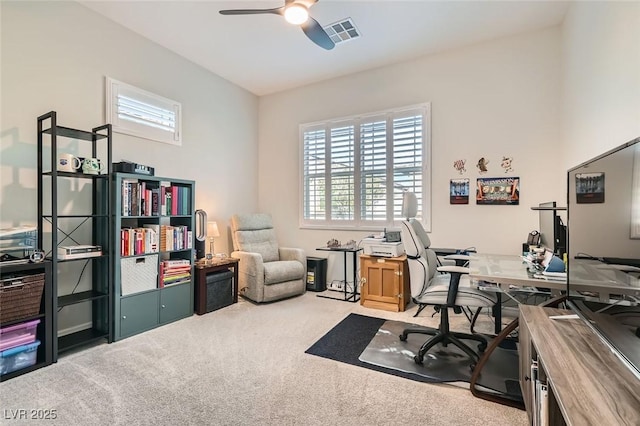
x: 449, y: 289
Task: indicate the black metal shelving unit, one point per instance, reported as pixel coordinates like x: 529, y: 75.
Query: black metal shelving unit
x: 60, y: 227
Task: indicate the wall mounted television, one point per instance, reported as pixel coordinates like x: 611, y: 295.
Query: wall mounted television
x: 603, y: 268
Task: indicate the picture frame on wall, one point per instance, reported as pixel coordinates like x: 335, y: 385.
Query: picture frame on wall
x: 498, y: 191
x: 459, y: 191
x: 590, y: 188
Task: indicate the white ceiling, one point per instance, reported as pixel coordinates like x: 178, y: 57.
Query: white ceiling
x: 264, y: 54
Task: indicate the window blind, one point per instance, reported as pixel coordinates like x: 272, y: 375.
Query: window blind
x: 355, y: 169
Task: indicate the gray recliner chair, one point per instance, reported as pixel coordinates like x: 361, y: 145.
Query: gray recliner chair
x: 266, y: 271
x: 445, y: 287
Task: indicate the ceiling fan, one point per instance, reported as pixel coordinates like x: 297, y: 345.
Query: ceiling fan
x: 295, y: 12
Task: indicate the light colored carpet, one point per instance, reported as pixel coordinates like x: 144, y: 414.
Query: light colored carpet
x: 244, y: 364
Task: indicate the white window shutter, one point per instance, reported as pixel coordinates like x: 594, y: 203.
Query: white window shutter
x: 136, y: 112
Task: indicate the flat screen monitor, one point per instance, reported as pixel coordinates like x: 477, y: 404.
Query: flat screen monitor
x: 603, y: 267
x: 552, y: 230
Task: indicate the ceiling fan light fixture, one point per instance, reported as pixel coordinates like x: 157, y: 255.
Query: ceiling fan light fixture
x: 296, y: 14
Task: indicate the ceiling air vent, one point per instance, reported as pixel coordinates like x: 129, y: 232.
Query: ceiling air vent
x: 341, y: 31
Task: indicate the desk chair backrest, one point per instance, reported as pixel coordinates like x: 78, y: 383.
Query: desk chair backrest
x: 422, y: 260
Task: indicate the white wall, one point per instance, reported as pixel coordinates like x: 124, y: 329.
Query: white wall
x: 55, y: 56
x: 494, y: 99
x: 601, y: 78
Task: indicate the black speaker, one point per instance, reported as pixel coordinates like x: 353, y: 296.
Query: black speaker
x: 316, y: 273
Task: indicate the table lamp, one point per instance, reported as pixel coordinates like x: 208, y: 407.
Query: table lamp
x: 212, y: 232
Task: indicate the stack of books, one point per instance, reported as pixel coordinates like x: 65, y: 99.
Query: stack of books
x: 135, y: 241
x: 78, y: 252
x: 175, y: 271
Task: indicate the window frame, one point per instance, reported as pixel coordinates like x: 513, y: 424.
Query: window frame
x: 114, y: 89
x: 424, y: 199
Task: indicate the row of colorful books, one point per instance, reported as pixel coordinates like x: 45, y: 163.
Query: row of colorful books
x: 151, y: 238
x: 175, y: 271
x: 142, y: 198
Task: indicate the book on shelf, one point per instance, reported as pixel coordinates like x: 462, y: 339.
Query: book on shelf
x: 164, y: 190
x: 177, y: 262
x: 184, y: 281
x: 141, y: 240
x: 176, y: 277
x: 152, y: 232
x: 175, y: 271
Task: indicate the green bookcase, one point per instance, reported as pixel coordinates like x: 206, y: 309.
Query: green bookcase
x: 154, y: 224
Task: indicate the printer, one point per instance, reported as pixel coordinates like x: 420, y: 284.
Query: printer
x: 380, y: 247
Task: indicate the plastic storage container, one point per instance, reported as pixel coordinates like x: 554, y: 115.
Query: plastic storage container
x: 18, y: 334
x: 19, y: 357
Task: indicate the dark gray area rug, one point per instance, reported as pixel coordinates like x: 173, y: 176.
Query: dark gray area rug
x: 373, y: 343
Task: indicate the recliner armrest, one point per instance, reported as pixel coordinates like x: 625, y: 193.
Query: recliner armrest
x: 289, y: 253
x: 250, y: 263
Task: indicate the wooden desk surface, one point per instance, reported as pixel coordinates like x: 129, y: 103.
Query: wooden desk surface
x: 591, y: 384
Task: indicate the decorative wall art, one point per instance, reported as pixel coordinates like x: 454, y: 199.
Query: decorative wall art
x: 459, y: 166
x: 506, y: 164
x: 589, y: 188
x: 459, y: 191
x: 482, y: 165
x: 498, y: 191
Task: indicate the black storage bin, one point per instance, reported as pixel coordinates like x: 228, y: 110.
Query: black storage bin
x: 316, y: 273
x: 219, y: 290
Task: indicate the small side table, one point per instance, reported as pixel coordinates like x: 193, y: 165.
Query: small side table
x: 351, y: 296
x: 204, y: 268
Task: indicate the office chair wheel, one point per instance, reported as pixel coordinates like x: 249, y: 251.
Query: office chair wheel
x: 472, y: 367
x: 417, y: 359
x: 482, y: 347
x: 403, y: 338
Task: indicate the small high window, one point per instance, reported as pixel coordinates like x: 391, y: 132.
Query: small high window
x: 136, y: 112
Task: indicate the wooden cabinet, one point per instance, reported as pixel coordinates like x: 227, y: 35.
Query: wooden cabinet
x: 205, y: 272
x: 153, y: 260
x: 384, y: 283
x: 586, y: 384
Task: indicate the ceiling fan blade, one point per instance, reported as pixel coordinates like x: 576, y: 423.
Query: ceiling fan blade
x: 317, y: 34
x: 276, y: 11
x: 307, y: 3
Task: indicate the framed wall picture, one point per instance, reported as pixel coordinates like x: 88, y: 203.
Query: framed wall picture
x: 589, y: 188
x: 498, y: 191
x: 459, y: 191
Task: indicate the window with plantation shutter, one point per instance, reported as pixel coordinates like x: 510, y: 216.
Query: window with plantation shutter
x: 355, y: 169
x: 315, y: 174
x: 136, y: 112
x: 342, y: 167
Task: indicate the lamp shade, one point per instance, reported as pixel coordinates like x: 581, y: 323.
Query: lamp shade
x: 212, y: 230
